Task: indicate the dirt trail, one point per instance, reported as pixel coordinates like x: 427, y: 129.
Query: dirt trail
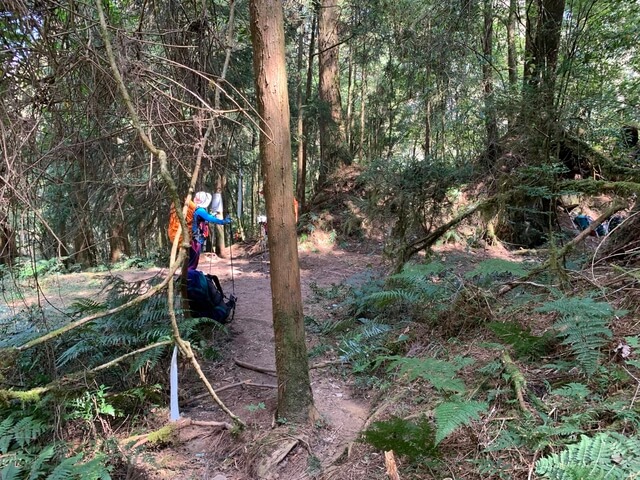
x: 250, y: 339
x: 203, y: 453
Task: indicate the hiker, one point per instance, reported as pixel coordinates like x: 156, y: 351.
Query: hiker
x: 200, y: 226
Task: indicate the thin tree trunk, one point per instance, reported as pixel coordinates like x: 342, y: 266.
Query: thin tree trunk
x: 511, y: 53
x: 349, y: 96
x: 491, y: 123
x: 295, y: 400
x: 302, y: 168
x: 363, y: 91
x: 221, y: 179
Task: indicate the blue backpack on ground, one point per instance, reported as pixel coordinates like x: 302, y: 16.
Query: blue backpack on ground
x: 583, y: 221
x: 206, y: 298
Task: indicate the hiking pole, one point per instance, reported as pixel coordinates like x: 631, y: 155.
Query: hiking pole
x: 233, y: 282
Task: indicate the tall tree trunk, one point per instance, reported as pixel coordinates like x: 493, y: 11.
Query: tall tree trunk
x: 295, y: 399
x: 300, y: 167
x: 333, y: 150
x: 491, y: 122
x: 511, y: 53
x: 363, y: 92
x: 8, y: 249
x: 221, y: 179
x: 544, y: 23
x: 350, y: 77
x: 118, y: 242
x: 302, y: 161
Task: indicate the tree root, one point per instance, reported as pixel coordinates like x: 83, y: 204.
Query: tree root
x: 271, y: 371
x: 247, y: 383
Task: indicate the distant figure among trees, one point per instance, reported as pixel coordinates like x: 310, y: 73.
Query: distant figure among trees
x: 630, y: 141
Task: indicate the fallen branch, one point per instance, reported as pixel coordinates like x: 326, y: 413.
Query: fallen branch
x: 618, y: 205
x: 392, y: 467
x: 518, y: 381
x: 33, y: 395
x: 255, y: 368
x: 425, y: 242
x: 163, y: 434
x: 270, y: 371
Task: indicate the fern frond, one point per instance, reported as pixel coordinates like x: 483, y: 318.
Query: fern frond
x: 583, y: 327
x: 524, y: 343
x: 575, y: 391
x: 403, y: 437
x: 28, y: 429
x: 454, y: 413
x: 43, y: 459
x: 497, y: 266
x: 372, y: 328
x: 86, y: 306
x: 65, y: 469
x: 440, y: 373
x: 416, y: 272
x: 11, y: 472
x: 390, y: 297
x: 607, y: 455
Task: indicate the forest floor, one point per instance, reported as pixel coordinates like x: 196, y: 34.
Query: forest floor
x: 199, y: 452
x: 329, y: 449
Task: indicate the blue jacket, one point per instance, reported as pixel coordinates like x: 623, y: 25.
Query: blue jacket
x: 201, y: 215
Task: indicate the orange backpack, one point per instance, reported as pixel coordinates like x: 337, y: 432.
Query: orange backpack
x: 174, y: 223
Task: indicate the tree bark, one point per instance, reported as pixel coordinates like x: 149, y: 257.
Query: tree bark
x: 511, y: 52
x: 295, y: 399
x: 333, y: 148
x: 491, y: 122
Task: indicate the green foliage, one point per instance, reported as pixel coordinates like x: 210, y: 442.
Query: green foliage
x: 418, y: 292
x: 91, y: 405
x: 583, y: 327
x: 27, y: 452
x: 439, y: 373
x: 40, y: 268
x: 412, y: 192
x: 607, y: 455
x: 413, y: 440
x: 495, y: 267
x: 524, y: 343
x: 455, y: 412
x: 363, y: 345
x: 574, y: 391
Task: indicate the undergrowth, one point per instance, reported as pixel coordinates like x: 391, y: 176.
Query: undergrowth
x: 85, y: 384
x: 447, y: 338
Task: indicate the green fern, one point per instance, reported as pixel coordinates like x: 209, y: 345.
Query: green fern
x: 440, y: 373
x: 413, y: 440
x: 524, y: 343
x: 65, y: 469
x: 454, y: 413
x: 495, y: 267
x: 574, y: 391
x: 608, y: 455
x: 43, y: 459
x: 364, y: 344
x: 583, y: 327
x: 11, y: 471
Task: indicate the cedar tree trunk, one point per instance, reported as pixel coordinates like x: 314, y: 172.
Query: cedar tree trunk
x: 295, y: 399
